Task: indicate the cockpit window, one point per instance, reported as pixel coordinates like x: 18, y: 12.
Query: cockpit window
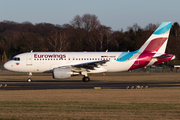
x: 16, y: 59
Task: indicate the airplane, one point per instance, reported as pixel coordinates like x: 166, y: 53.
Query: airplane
x: 63, y: 65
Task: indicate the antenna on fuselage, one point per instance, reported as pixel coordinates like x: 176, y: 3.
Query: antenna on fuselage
x: 107, y: 50
x: 31, y: 51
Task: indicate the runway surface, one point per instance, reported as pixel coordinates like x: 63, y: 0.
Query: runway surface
x: 37, y: 85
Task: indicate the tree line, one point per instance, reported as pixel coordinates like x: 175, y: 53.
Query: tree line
x: 82, y: 33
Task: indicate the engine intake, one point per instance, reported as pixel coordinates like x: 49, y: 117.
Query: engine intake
x: 61, y: 73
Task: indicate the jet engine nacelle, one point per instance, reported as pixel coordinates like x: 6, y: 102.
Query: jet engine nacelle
x: 61, y: 73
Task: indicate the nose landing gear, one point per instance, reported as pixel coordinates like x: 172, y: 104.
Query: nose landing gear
x: 29, y: 77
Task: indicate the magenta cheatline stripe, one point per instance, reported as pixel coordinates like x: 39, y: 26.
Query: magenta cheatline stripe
x: 142, y: 60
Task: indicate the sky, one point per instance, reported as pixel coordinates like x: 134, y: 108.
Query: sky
x: 117, y: 14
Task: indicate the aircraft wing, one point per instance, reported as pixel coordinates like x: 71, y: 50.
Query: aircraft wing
x: 89, y: 65
x: 83, y: 66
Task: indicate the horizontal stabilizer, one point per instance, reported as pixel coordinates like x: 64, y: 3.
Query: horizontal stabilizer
x: 164, y: 56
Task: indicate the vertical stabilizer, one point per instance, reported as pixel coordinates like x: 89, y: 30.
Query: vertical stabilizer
x: 157, y: 42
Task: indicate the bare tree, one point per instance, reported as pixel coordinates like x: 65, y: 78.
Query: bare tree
x: 28, y: 42
x: 90, y: 22
x: 109, y: 37
x: 58, y: 41
x: 134, y: 28
x: 63, y: 43
x: 77, y: 32
x: 90, y: 25
x: 103, y: 35
x: 84, y: 29
x: 100, y: 36
x: 151, y: 27
x: 76, y: 22
x: 87, y: 22
x: 52, y: 40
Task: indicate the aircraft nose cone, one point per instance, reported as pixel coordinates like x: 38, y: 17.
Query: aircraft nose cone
x: 6, y: 66
x: 9, y: 66
x: 12, y: 66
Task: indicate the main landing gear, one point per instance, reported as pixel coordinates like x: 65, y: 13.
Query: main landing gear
x: 85, y: 78
x: 29, y: 77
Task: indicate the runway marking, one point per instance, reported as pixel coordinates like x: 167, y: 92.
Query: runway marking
x: 97, y: 88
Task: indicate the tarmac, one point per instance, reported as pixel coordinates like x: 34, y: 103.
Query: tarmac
x: 78, y: 84
x: 39, y: 85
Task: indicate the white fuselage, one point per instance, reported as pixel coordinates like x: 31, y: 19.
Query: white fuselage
x: 46, y: 61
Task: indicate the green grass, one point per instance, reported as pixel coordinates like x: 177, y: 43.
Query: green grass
x: 91, y: 104
x: 20, y: 110
x: 30, y: 106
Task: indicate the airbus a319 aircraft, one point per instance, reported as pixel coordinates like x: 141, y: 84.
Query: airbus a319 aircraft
x: 63, y: 65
